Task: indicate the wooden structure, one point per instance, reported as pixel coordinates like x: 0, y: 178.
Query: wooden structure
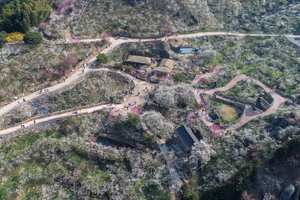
x: 138, y: 60
x: 185, y: 138
x: 165, y: 67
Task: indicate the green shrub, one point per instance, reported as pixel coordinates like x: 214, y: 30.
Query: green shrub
x: 118, y: 125
x: 149, y: 138
x: 188, y: 193
x: 179, y: 77
x: 3, y: 35
x: 119, y: 66
x: 128, y: 68
x: 21, y: 15
x: 231, y: 189
x: 288, y: 147
x: 102, y: 58
x: 133, y: 120
x: 32, y: 38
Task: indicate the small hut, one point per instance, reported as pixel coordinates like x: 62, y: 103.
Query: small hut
x: 138, y: 60
x: 165, y: 67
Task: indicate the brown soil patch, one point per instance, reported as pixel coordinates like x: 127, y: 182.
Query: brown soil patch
x: 228, y: 112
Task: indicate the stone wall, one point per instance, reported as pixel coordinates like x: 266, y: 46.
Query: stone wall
x: 290, y: 97
x: 233, y: 99
x: 229, y: 102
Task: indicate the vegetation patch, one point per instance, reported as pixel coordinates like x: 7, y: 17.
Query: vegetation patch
x: 43, y: 165
x: 245, y: 91
x: 271, y: 60
x: 100, y: 87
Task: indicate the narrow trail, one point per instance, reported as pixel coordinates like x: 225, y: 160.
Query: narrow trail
x: 198, y: 78
x: 278, y: 100
x: 133, y: 99
x: 249, y: 113
x: 192, y: 35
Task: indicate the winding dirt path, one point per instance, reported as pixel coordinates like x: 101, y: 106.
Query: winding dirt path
x: 134, y: 100
x: 249, y: 113
x: 120, y: 40
x: 140, y: 85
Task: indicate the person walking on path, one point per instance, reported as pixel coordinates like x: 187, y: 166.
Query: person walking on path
x: 34, y: 121
x: 138, y: 94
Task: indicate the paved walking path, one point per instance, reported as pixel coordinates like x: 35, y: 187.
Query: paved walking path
x: 278, y: 100
x: 134, y: 99
x: 120, y: 40
x: 249, y: 114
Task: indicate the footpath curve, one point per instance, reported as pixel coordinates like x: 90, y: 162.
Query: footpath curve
x: 139, y: 85
x: 119, y: 40
x: 249, y: 113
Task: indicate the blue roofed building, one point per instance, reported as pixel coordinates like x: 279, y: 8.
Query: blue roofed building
x: 185, y: 50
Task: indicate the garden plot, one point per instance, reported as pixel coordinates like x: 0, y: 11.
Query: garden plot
x: 221, y: 112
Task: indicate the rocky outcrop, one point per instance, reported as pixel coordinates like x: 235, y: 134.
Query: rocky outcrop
x: 287, y: 193
x: 274, y: 131
x: 262, y: 104
x: 281, y: 122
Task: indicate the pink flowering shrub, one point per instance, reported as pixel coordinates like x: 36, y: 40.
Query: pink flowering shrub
x: 202, y: 79
x: 113, y: 118
x: 196, y: 68
x: 127, y: 149
x: 64, y: 7
x: 104, y: 35
x: 62, y: 72
x: 211, y: 68
x: 152, y: 43
x: 135, y: 110
x: 202, y: 103
x: 47, y: 73
x: 213, y: 134
x: 131, y: 27
x: 70, y: 60
x: 215, y: 127
x: 191, y: 118
x: 165, y: 76
x: 93, y: 139
x: 217, y: 70
x: 170, y: 27
x: 42, y: 26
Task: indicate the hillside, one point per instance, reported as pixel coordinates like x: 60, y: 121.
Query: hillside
x: 161, y: 17
x: 150, y: 100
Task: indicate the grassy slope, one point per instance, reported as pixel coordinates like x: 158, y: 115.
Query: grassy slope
x: 272, y: 61
x: 53, y: 164
x: 154, y: 17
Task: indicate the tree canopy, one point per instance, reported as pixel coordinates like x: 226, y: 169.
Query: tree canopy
x: 18, y: 15
x: 2, y: 38
x: 102, y: 58
x: 32, y: 38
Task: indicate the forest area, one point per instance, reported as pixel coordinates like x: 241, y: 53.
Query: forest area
x: 21, y: 15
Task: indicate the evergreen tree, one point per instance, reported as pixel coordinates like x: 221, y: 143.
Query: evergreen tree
x: 19, y: 16
x: 33, y: 38
x: 2, y: 38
